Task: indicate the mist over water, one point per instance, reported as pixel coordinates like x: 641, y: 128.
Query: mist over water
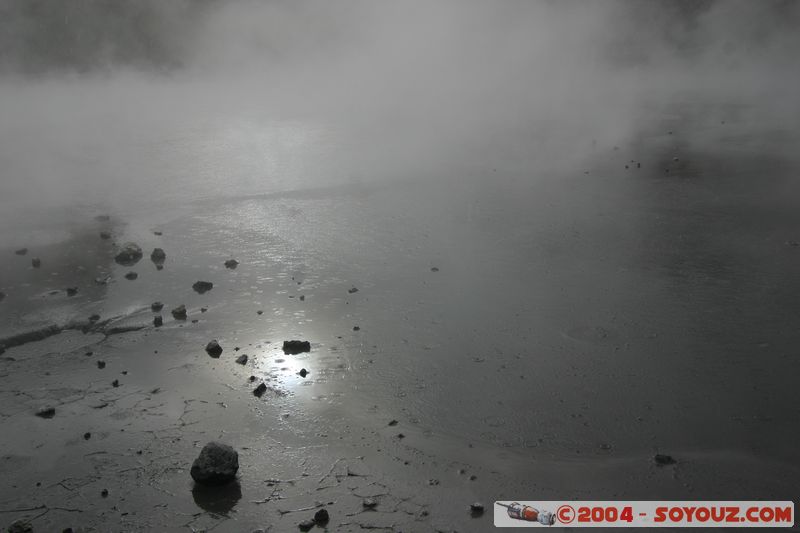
x: 366, y: 142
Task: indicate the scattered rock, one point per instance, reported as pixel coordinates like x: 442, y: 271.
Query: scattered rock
x: 201, y: 287
x: 306, y: 525
x: 131, y: 276
x: 36, y: 262
x: 259, y: 312
x: 217, y: 464
x: 179, y: 313
x: 259, y: 391
x: 321, y: 517
x: 105, y: 235
x: 231, y: 264
x: 476, y: 509
x: 663, y: 460
x: 94, y: 318
x: 20, y: 526
x: 87, y: 436
x: 158, y: 257
x: 434, y: 269
x: 156, y: 307
x: 158, y: 321
x: 302, y: 297
x: 46, y: 412
x: 103, y: 281
x: 214, y: 349
x: 369, y: 503
x: 129, y: 254
x: 352, y: 290
x: 356, y: 328
x: 401, y: 436
x: 393, y: 422
x: 158, y: 233
x: 104, y: 493
x: 21, y: 251
x: 101, y: 364
x: 242, y: 359
x: 303, y: 372
x: 295, y: 347
x: 72, y: 291
x: 115, y: 383
x: 203, y: 309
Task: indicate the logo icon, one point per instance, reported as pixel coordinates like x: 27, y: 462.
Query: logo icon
x: 517, y: 511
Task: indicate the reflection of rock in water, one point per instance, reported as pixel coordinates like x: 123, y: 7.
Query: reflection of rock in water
x: 219, y: 500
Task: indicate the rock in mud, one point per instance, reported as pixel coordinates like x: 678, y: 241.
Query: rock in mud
x: 72, y: 291
x: 352, y: 290
x: 158, y: 321
x: 156, y: 307
x: 158, y: 256
x: 214, y: 349
x: 476, y: 509
x: 295, y: 347
x: 242, y: 359
x: 201, y: 287
x: 179, y: 313
x: 20, y: 526
x: 217, y: 464
x: 321, y: 517
x: 21, y: 251
x: 303, y: 372
x: 131, y: 276
x: 231, y: 264
x: 129, y: 254
x: 259, y: 391
x: 105, y: 235
x: 36, y: 262
x: 46, y: 412
x: 663, y: 460
x: 306, y: 525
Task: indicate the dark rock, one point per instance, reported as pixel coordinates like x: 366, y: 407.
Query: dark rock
x: 101, y: 364
x: 476, y: 509
x: 231, y: 264
x: 20, y: 526
x: 434, y: 269
x: 158, y: 257
x: 105, y: 235
x: 36, y: 262
x: 201, y: 287
x: 369, y: 503
x: 156, y: 306
x: 129, y: 254
x: 295, y: 347
x: 663, y: 460
x: 104, y: 493
x: 72, y: 291
x: 217, y: 464
x: 252, y: 379
x: 321, y: 517
x: 158, y: 321
x: 306, y: 525
x: 131, y: 276
x: 303, y: 372
x: 158, y: 233
x: 94, y: 318
x: 242, y: 359
x: 356, y: 328
x: 21, y: 251
x: 393, y: 422
x: 352, y: 290
x: 115, y: 383
x: 302, y: 297
x: 259, y: 391
x: 214, y: 349
x: 259, y: 312
x: 87, y: 436
x: 68, y: 530
x: 203, y: 309
x: 179, y: 313
x: 46, y: 412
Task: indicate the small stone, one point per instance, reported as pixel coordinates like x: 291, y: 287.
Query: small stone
x: 158, y: 321
x: 217, y: 464
x: 356, y: 328
x: 203, y: 309
x: 46, y: 412
x: 393, y: 422
x: 231, y: 264
x: 104, y: 493
x: 87, y: 436
x: 259, y: 391
x: 302, y: 297
x: 156, y: 307
x: 105, y: 235
x: 242, y: 359
x: 101, y: 364
x: 20, y: 526
x: 434, y: 269
x: 321, y: 516
x: 663, y: 460
x: 306, y: 525
x: 369, y: 503
x: 476, y: 509
x: 36, y: 262
x: 259, y: 312
x: 130, y: 253
x: 115, y: 383
x: 214, y: 349
x: 72, y: 291
x: 179, y: 313
x: 295, y: 347
x: 202, y: 287
x: 131, y: 276
x: 21, y: 251
x: 400, y: 436
x: 352, y: 290
x: 303, y: 372
x: 252, y: 379
x: 158, y: 256
x: 94, y: 318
